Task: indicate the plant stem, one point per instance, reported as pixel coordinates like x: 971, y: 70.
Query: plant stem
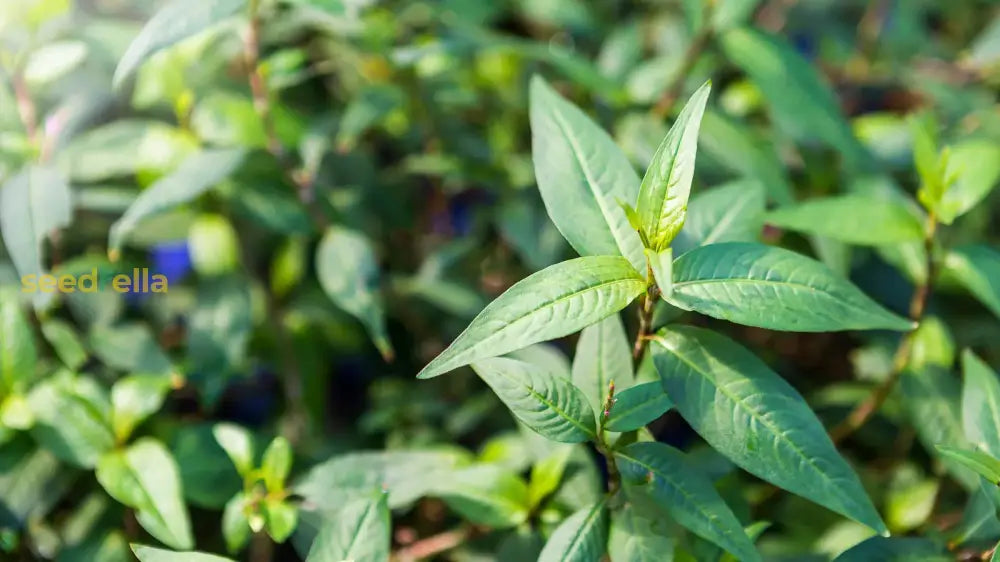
x: 698, y: 44
x: 261, y: 547
x: 645, y: 316
x: 436, y: 544
x: 25, y: 106
x: 918, y: 304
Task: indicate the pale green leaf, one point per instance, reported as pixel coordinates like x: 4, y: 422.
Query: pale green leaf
x: 983, y: 464
x: 661, y: 264
x: 663, y: 195
x: 174, y: 22
x: 756, y: 419
x: 634, y: 538
x: 129, y: 347
x: 603, y: 355
x: 17, y: 345
x: 582, y: 537
x: 235, y: 525
x: 637, y: 406
x: 659, y: 474
x: 741, y: 149
x: 729, y: 213
x: 238, y: 444
x: 774, y: 288
x: 133, y: 399
x: 981, y: 404
x: 280, y: 519
x: 33, y: 204
x: 71, y: 418
x: 52, y: 61
x: 348, y: 272
x: 552, y: 303
x: 544, y: 401
x: 854, y: 218
x: 974, y: 165
x: 485, y: 494
x: 145, y: 477
x: 977, y: 267
x: 276, y: 463
x: 359, y: 531
x: 546, y: 356
x: 582, y: 175
x: 195, y: 175
x: 63, y: 339
x: 547, y: 473
x: 150, y: 554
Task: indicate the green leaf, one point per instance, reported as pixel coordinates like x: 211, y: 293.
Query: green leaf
x: 33, y: 204
x: 756, y: 419
x: 800, y: 101
x: 150, y: 554
x: 145, y: 477
x: 17, y: 345
x: 974, y: 168
x: 773, y: 288
x: 195, y: 175
x: 662, y: 263
x: 133, y: 399
x: 238, y: 444
x: 219, y: 330
x: 603, y: 354
x: 348, y: 272
x: 729, y: 213
x: 547, y: 473
x: 977, y: 267
x: 485, y: 494
x: 981, y: 404
x: 739, y: 148
x: 213, y: 245
x: 983, y: 464
x: 582, y: 174
x: 582, y: 537
x: 359, y: 530
x: 637, y: 406
x: 129, y: 347
x: 173, y: 23
x: 276, y: 464
x: 63, y: 339
x: 663, y: 195
x: 544, y: 401
x: 71, y: 419
x: 124, y: 147
x: 280, y: 519
x: 634, y: 538
x: 658, y: 472
x: 858, y: 219
x: 552, y: 303
x: 896, y: 549
x: 235, y: 525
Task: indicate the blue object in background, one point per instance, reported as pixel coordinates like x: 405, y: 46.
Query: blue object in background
x: 172, y: 259
x: 805, y: 44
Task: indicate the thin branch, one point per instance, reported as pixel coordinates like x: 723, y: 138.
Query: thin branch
x: 918, y: 304
x: 436, y: 544
x: 25, y: 105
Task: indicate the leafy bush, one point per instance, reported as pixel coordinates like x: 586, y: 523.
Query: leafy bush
x: 234, y: 230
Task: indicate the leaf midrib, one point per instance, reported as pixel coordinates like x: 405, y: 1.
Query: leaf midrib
x: 541, y: 398
x: 576, y: 541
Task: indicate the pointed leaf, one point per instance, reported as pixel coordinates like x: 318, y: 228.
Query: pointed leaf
x: 978, y: 268
x: 235, y: 525
x: 145, y: 477
x: 174, y: 22
x: 359, y: 530
x: 552, y: 303
x: 854, y: 218
x: 348, y: 272
x: 975, y: 167
x: 71, y: 418
x: 195, y: 175
x: 64, y: 341
x: 634, y: 538
x: 733, y: 212
x: 603, y: 354
x: 133, y: 399
x: 238, y: 444
x: 662, y: 264
x: 276, y: 464
x: 663, y: 195
x: 981, y: 404
x: 756, y: 419
x: 774, y: 288
x: 17, y: 345
x: 485, y: 494
x: 150, y: 554
x: 544, y: 401
x: 982, y: 463
x: 582, y: 537
x: 658, y: 472
x: 637, y: 406
x: 582, y: 174
x: 896, y: 549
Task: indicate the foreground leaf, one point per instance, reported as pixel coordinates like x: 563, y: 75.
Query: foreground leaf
x: 756, y: 419
x: 544, y: 401
x: 982, y: 463
x: 663, y: 195
x: 774, y: 288
x: 196, y: 174
x: 981, y: 404
x: 977, y: 267
x: 975, y: 167
x: 661, y: 473
x: 637, y: 406
x: 582, y: 537
x: 854, y: 218
x: 174, y: 22
x: 603, y: 354
x: 150, y: 554
x: 348, y: 272
x: 357, y: 531
x: 896, y: 549
x: 552, y: 303
x: 582, y: 175
x: 145, y: 477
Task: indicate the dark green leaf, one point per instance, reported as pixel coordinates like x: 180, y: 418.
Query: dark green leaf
x: 582, y: 537
x: 982, y: 463
x: 981, y: 404
x: 637, y: 406
x: 897, y: 549
x: 856, y: 219
x: 603, y: 355
x: 978, y: 268
x: 17, y: 345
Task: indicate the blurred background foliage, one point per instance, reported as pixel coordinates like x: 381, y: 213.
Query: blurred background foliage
x: 349, y: 182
